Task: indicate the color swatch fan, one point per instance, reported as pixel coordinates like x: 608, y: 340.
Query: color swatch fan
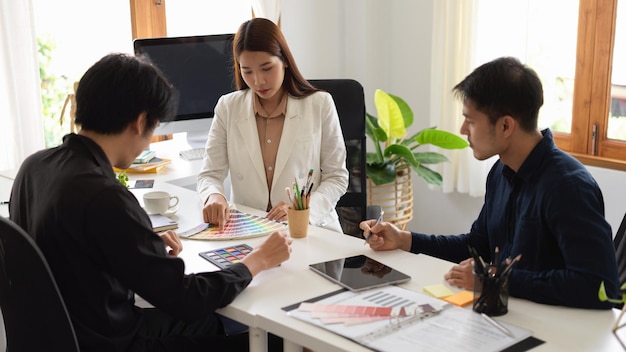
x: 240, y: 225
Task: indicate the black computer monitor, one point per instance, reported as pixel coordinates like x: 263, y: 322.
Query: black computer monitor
x: 200, y: 67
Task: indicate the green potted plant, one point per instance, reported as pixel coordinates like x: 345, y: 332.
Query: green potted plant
x: 122, y: 177
x: 619, y: 301
x: 394, y: 148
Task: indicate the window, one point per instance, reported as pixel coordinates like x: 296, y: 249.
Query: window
x: 69, y: 45
x: 67, y: 49
x: 617, y: 111
x: 532, y: 36
x: 595, y: 138
x: 570, y: 45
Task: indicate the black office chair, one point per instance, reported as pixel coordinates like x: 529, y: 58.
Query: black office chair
x: 350, y: 102
x: 35, y: 317
x: 620, y: 251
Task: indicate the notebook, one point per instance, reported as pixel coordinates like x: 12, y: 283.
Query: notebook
x: 162, y: 223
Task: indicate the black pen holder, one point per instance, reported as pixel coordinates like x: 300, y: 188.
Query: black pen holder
x: 491, y: 292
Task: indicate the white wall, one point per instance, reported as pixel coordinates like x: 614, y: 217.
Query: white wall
x: 386, y: 44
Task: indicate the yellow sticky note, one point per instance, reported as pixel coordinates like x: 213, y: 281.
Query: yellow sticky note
x: 438, y: 291
x: 461, y: 299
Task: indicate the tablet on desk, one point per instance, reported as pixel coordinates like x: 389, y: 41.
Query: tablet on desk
x: 359, y: 273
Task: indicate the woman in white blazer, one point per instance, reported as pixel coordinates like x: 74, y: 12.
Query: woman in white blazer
x: 276, y: 127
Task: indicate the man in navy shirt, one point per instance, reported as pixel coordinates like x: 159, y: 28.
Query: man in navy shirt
x: 540, y: 202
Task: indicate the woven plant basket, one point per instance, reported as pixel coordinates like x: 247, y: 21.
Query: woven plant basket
x: 395, y: 199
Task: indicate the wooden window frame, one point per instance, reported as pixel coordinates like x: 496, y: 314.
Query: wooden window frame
x: 147, y: 18
x: 592, y: 89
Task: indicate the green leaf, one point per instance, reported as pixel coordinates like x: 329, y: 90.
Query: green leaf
x: 389, y: 115
x: 430, y: 158
x: 122, y: 178
x: 430, y: 176
x: 381, y: 174
x: 602, y: 293
x: 405, y: 111
x: 372, y: 159
x: 373, y: 130
x: 602, y: 296
x: 441, y: 139
x: 402, y: 152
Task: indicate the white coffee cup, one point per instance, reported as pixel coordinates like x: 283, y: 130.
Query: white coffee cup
x: 159, y: 202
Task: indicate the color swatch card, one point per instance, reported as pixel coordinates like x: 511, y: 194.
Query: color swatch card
x: 240, y: 225
x: 227, y: 256
x: 360, y: 314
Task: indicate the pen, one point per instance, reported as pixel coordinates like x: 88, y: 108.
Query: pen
x: 297, y: 192
x: 308, y: 179
x: 479, y: 263
x: 509, y: 267
x: 291, y: 199
x: 497, y: 325
x: 380, y: 218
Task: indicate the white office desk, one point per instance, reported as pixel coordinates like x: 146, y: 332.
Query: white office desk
x: 562, y: 329
x: 259, y: 305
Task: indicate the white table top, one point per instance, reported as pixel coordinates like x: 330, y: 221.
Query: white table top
x: 259, y: 305
x: 563, y: 329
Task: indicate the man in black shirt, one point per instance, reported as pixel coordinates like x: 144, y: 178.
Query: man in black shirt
x: 98, y: 240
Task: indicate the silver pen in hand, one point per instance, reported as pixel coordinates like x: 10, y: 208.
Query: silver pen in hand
x: 378, y: 220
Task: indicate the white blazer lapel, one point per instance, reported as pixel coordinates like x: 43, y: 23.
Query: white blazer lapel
x: 246, y: 124
x: 288, y: 140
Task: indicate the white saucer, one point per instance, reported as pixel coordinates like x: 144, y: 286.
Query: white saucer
x: 169, y: 212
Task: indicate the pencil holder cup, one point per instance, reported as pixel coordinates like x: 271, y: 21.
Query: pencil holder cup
x: 298, y: 222
x: 491, y: 292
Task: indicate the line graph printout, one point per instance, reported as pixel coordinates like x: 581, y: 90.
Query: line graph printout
x: 240, y: 225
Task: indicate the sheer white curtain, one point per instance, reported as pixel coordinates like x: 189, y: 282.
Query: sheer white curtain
x: 20, y: 98
x: 269, y: 9
x: 452, y: 53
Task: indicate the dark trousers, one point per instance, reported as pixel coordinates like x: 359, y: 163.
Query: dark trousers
x: 162, y: 333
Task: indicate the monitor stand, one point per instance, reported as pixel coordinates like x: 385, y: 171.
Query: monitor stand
x: 197, y: 139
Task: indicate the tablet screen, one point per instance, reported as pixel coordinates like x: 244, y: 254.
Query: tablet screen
x: 359, y: 273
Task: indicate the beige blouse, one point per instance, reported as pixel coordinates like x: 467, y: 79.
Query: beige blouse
x: 270, y: 128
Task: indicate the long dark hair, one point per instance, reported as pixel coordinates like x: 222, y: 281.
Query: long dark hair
x: 261, y: 34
